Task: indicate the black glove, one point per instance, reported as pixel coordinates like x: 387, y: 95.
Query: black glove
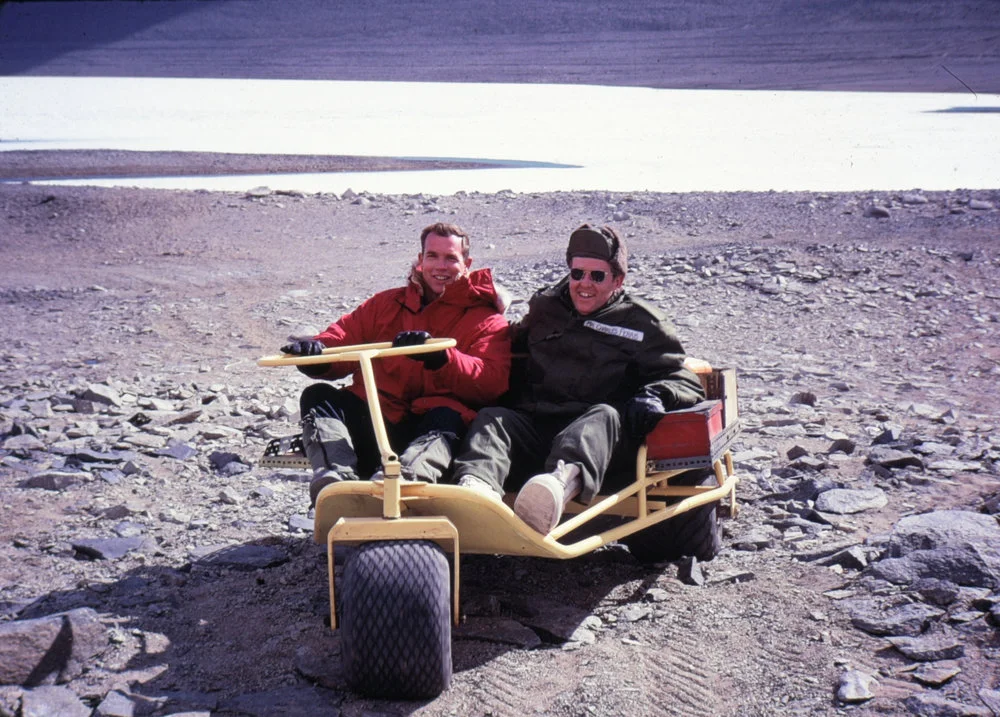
x: 310, y: 347
x: 432, y: 360
x: 642, y: 413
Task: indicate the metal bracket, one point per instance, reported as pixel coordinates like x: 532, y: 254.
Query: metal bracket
x: 360, y: 530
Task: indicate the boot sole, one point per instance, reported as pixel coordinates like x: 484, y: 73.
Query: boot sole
x: 540, y: 503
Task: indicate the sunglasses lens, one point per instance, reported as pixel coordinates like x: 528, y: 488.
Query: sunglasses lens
x: 596, y: 275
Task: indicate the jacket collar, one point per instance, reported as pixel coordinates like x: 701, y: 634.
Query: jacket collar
x: 475, y: 289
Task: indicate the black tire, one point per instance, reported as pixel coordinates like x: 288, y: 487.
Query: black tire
x: 395, y: 620
x: 694, y: 533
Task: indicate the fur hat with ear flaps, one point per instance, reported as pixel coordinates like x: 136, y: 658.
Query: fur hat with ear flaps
x: 598, y: 243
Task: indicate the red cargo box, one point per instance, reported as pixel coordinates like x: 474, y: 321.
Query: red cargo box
x: 686, y: 433
x: 697, y: 437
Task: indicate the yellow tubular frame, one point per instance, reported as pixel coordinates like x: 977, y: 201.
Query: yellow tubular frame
x: 507, y: 534
x: 351, y: 512
x: 438, y: 530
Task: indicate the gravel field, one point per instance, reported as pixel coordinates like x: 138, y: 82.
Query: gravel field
x: 864, y: 331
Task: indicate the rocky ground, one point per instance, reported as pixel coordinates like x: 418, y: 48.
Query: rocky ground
x: 151, y: 566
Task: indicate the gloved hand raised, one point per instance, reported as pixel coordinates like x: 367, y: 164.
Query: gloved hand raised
x: 432, y: 360
x: 642, y: 413
x: 309, y: 347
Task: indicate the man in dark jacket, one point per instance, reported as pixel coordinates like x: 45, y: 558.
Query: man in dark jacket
x: 426, y: 399
x: 601, y: 365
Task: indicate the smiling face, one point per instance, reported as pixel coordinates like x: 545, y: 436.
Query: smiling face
x: 441, y: 263
x: 588, y: 295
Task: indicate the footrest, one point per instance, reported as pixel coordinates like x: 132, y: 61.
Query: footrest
x: 286, y: 452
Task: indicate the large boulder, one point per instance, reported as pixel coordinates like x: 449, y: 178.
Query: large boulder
x: 50, y: 649
x: 955, y: 545
x: 942, y: 529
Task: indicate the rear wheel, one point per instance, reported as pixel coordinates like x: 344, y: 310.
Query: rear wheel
x: 694, y: 533
x: 395, y: 620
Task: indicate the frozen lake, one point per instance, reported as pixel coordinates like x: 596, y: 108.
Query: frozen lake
x: 575, y: 137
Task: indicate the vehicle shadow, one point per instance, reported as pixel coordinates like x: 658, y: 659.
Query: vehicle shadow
x: 225, y: 631
x: 245, y: 629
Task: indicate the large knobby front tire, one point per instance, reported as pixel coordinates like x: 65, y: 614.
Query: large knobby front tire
x: 694, y: 533
x: 395, y: 620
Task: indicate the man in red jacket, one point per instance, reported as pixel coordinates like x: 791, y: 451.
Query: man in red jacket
x: 427, y: 399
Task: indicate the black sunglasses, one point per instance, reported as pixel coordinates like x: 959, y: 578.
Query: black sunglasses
x: 596, y: 275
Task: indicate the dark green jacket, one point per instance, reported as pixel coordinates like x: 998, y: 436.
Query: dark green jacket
x: 574, y: 362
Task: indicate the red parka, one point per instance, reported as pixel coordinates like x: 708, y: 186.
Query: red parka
x: 478, y: 367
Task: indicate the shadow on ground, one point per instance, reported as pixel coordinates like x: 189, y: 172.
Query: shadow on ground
x: 245, y: 629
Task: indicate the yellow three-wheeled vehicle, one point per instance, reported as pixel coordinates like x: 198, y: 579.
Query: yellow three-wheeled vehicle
x: 397, y: 598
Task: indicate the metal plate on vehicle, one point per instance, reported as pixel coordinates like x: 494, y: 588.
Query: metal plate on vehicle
x: 286, y: 452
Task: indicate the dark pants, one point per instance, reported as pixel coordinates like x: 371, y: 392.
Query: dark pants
x: 505, y: 443
x: 341, y: 423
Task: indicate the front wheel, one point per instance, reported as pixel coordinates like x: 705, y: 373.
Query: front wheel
x: 395, y: 620
x: 694, y: 533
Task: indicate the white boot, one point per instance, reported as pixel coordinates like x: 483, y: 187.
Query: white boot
x: 479, y: 486
x: 541, y: 501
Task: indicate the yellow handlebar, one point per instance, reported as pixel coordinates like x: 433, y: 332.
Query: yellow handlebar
x: 353, y: 353
x: 364, y: 354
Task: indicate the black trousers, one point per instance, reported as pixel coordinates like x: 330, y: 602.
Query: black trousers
x: 504, y: 443
x: 424, y: 442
